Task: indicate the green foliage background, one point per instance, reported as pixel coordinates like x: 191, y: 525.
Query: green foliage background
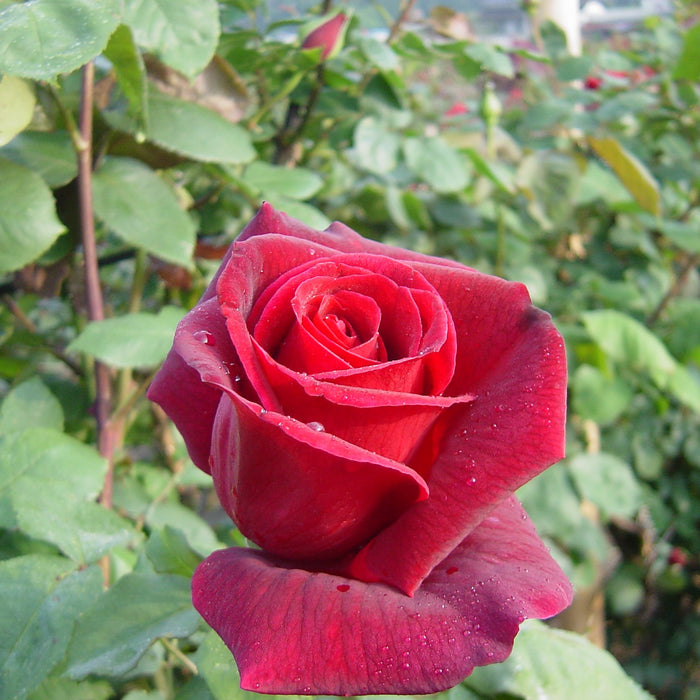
x: 578, y: 175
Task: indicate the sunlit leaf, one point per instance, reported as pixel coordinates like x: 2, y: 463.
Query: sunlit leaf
x: 112, y: 635
x: 28, y: 221
x: 43, y: 38
x: 40, y: 599
x: 16, y: 106
x: 183, y: 34
x: 142, y: 209
x: 631, y: 171
x: 132, y: 340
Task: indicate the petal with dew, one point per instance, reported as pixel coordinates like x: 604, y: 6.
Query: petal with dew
x: 295, y: 631
x: 512, y: 359
x: 298, y: 491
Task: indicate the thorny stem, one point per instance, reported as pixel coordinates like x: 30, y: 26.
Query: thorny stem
x: 103, y: 389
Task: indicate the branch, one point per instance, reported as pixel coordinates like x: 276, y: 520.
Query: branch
x: 93, y: 291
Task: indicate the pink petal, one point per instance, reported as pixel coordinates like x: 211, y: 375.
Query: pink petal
x: 298, y: 491
x: 513, y: 360
x: 295, y: 631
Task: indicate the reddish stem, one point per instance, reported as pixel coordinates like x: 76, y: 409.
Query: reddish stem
x: 103, y: 388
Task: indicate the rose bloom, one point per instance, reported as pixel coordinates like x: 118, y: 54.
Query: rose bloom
x: 366, y: 414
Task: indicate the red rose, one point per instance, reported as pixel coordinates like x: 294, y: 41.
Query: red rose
x: 366, y: 414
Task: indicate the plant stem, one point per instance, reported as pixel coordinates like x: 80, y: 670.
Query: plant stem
x: 403, y: 16
x: 93, y: 291
x: 691, y: 262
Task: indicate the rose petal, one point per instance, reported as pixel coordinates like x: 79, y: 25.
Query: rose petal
x: 298, y: 491
x: 337, y: 236
x: 391, y: 424
x: 292, y: 631
x: 200, y: 365
x: 513, y: 430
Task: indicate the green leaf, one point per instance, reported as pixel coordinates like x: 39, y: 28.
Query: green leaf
x: 597, y: 397
x: 574, y: 68
x: 28, y: 221
x: 129, y: 70
x: 49, y: 482
x: 626, y: 340
x: 200, y: 536
x: 16, y: 107
x: 685, y: 386
x: 196, y: 132
x: 30, y: 403
x: 112, y: 635
x: 489, y: 170
x: 608, y: 482
x: 688, y: 66
x: 132, y: 340
x: 218, y: 668
x: 183, y: 34
x: 378, y: 53
x: 65, y: 689
x: 43, y: 38
x: 49, y: 153
x: 297, y: 183
x: 632, y: 172
x: 143, y: 210
x: 436, y: 163
x: 40, y: 599
x: 375, y: 147
x: 554, y: 40
x: 549, y: 664
x: 170, y: 553
x: 685, y: 234
x: 491, y: 58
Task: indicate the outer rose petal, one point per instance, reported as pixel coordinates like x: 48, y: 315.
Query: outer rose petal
x: 512, y: 359
x: 292, y: 631
x: 197, y: 368
x: 337, y: 236
x: 301, y: 493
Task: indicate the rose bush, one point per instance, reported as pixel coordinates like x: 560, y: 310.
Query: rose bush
x: 366, y: 414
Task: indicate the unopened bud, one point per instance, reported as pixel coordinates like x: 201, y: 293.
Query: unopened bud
x: 329, y: 36
x: 490, y: 106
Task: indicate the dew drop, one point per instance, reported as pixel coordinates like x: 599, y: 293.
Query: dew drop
x: 405, y: 664
x: 472, y: 480
x: 343, y: 587
x: 315, y: 425
x: 204, y: 337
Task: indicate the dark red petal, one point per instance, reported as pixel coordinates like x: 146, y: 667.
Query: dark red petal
x: 337, y: 236
x: 298, y: 491
x: 512, y: 358
x: 188, y: 386
x: 292, y: 631
x: 391, y: 424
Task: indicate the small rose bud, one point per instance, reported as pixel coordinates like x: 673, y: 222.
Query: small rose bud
x: 592, y: 82
x: 328, y: 36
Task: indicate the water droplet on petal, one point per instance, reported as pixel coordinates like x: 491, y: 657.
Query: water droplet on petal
x: 452, y: 570
x: 343, y: 587
x: 204, y: 337
x: 315, y: 425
